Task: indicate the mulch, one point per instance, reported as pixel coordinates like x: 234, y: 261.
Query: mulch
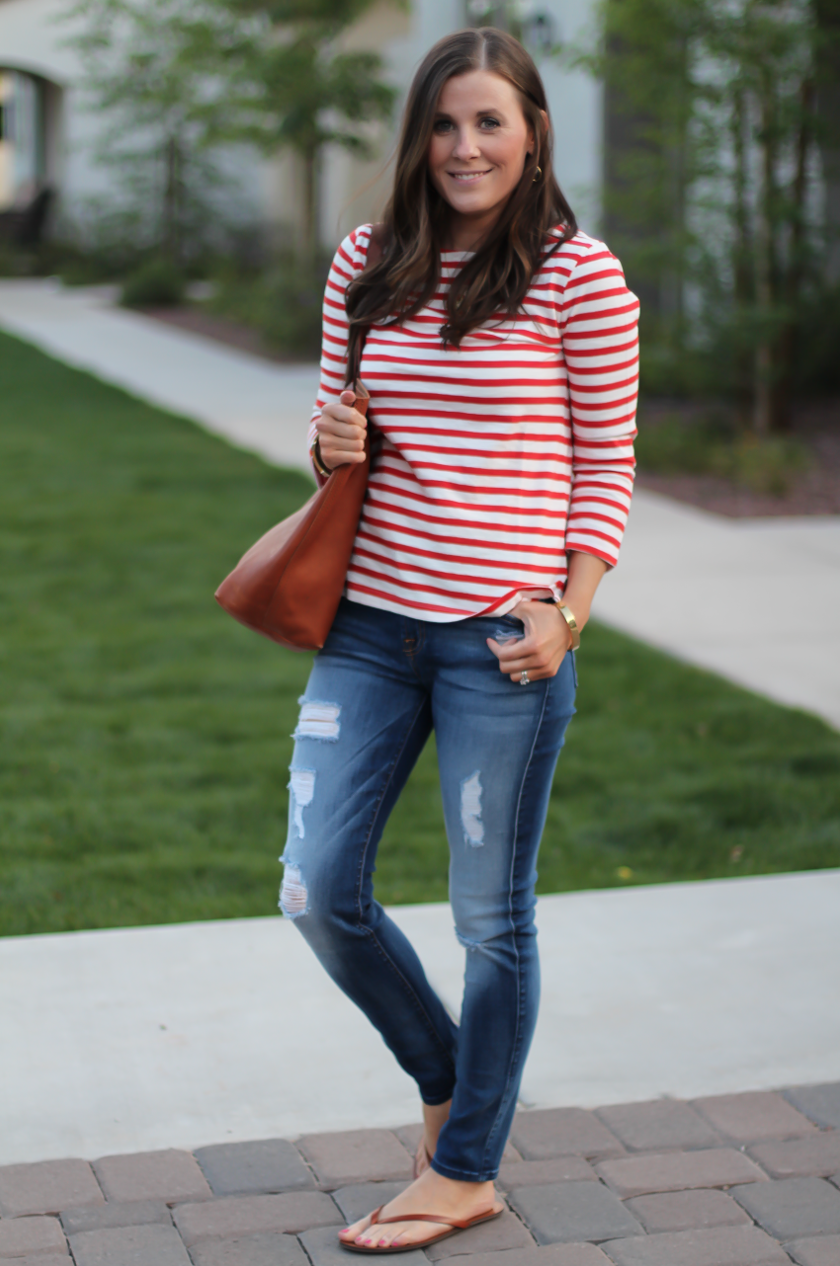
x: 222, y: 330
x: 815, y: 490
x: 816, y: 424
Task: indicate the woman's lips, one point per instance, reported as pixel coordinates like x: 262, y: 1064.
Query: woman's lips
x: 467, y: 177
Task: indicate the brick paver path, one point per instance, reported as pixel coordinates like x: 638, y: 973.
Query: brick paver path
x: 732, y: 1180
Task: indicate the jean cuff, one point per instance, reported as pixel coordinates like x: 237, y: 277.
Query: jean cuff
x: 463, y: 1175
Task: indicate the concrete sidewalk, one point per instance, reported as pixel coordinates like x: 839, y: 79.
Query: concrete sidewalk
x: 255, y: 404
x: 181, y: 1036
x: 757, y: 601
x: 706, y: 589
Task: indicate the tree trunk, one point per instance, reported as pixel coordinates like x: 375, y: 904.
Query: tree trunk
x: 827, y: 13
x: 172, y: 203
x: 310, y: 227
x: 766, y: 268
x: 742, y: 255
x: 793, y: 281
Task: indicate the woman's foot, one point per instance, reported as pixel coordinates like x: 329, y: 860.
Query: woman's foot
x: 430, y: 1193
x: 435, y: 1116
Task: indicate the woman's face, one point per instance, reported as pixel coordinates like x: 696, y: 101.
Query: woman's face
x: 479, y: 144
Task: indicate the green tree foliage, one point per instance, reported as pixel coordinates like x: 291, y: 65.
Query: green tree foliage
x: 300, y: 90
x: 152, y: 73
x: 176, y: 79
x: 711, y: 183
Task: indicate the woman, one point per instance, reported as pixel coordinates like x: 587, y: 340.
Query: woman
x: 499, y: 349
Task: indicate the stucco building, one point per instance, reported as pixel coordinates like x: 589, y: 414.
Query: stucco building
x: 47, y: 133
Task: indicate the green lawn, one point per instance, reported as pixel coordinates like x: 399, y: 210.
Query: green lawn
x: 144, y: 736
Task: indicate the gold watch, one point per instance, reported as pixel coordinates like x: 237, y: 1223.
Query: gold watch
x: 318, y: 461
x: 569, y: 616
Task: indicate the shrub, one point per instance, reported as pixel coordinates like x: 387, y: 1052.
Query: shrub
x: 157, y: 283
x: 283, y: 303
x: 712, y: 446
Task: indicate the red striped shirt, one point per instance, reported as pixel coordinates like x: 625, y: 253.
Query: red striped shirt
x: 499, y: 456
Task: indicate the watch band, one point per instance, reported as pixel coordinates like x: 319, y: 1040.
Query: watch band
x: 318, y: 461
x: 569, y: 616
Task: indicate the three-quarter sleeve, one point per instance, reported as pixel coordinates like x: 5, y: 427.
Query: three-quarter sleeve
x: 599, y: 325
x: 348, y: 262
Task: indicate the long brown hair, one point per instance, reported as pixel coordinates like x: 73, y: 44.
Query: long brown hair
x: 494, y: 282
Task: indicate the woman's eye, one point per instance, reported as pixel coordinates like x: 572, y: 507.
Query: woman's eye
x: 443, y: 125
x: 488, y: 122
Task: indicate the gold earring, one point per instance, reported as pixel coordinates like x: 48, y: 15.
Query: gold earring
x: 537, y: 175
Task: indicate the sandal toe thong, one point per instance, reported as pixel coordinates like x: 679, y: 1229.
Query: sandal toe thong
x: 451, y: 1224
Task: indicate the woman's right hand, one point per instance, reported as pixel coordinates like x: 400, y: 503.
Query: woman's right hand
x: 341, y: 432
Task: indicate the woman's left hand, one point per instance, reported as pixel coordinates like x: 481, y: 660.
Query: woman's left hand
x: 542, y: 650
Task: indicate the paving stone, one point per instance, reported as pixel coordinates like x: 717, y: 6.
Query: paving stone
x: 686, y: 1211
x: 362, y: 1198
x: 657, y: 1125
x: 129, y: 1246
x: 819, y: 1156
x: 792, y: 1207
x: 47, y: 1187
x: 824, y: 1251
x: 355, y: 1156
x: 323, y: 1249
x: 234, y: 1216
x: 169, y: 1175
x: 820, y: 1103
x: 506, y: 1232
x: 722, y: 1246
x: 133, y: 1213
x: 19, y: 1236
x: 678, y: 1171
x: 44, y: 1259
x: 573, y: 1211
x: 545, y: 1134
x: 540, y: 1173
x: 545, y: 1255
x: 751, y: 1117
x: 269, y: 1165
x: 269, y: 1249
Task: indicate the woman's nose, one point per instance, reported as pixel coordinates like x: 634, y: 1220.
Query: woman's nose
x: 466, y: 145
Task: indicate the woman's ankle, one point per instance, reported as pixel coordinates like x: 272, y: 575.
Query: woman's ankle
x: 435, y: 1116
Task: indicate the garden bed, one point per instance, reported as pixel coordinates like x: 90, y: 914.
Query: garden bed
x: 815, y: 489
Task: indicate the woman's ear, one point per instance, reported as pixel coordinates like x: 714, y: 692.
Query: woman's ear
x: 532, y: 140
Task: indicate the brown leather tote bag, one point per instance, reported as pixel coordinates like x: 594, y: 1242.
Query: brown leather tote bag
x: 289, y: 584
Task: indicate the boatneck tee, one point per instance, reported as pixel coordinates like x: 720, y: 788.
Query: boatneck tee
x: 492, y: 460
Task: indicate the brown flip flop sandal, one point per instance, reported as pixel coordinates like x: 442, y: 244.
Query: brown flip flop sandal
x: 453, y: 1225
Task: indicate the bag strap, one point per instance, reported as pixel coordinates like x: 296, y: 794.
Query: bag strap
x: 375, y: 250
x: 376, y: 245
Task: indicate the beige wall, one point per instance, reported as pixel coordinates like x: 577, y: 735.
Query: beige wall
x: 353, y: 190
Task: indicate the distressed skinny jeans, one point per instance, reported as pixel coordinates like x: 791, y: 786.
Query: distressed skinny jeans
x: 377, y: 689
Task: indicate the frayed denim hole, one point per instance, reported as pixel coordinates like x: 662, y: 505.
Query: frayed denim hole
x: 302, y: 786
x: 318, y: 720
x: 471, y: 810
x: 294, y: 898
